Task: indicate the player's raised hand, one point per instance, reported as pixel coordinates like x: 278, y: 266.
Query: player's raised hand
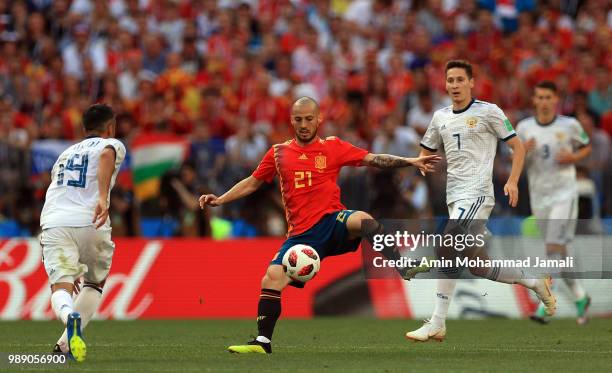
x: 208, y: 200
x: 100, y: 213
x: 511, y: 190
x: 426, y: 163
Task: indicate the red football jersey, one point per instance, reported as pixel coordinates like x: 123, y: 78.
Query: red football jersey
x: 308, y: 178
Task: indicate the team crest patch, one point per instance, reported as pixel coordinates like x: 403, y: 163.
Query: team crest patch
x: 471, y: 122
x: 320, y: 162
x: 560, y: 136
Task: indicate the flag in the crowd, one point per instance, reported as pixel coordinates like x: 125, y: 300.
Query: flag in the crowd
x: 153, y: 155
x: 124, y: 177
x: 45, y: 153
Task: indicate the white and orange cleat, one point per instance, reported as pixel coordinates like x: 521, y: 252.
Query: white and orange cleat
x: 427, y: 332
x: 542, y: 290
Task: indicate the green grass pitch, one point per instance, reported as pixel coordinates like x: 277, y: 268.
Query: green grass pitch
x: 327, y: 345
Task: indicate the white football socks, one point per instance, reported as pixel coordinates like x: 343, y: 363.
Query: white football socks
x: 510, y: 275
x: 573, y: 284
x: 529, y: 283
x: 62, y: 304
x: 87, y: 303
x: 444, y: 294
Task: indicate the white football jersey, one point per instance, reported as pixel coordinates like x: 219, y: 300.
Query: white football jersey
x: 73, y: 193
x: 470, y: 140
x: 549, y: 181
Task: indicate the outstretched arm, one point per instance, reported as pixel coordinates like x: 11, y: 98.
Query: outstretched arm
x: 241, y: 189
x: 518, y: 158
x: 423, y: 163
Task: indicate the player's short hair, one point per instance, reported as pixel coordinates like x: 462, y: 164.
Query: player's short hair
x: 304, y: 100
x: 547, y: 84
x: 96, y: 116
x: 460, y: 64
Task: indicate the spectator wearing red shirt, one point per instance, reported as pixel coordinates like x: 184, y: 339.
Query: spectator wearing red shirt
x: 335, y: 108
x: 484, y: 38
x: 306, y: 62
x: 263, y: 111
x: 399, y: 79
x: 219, y: 44
x: 212, y: 114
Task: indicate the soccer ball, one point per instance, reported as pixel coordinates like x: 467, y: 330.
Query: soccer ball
x: 301, y: 262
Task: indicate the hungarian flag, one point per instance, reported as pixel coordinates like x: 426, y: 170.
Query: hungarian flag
x: 152, y: 155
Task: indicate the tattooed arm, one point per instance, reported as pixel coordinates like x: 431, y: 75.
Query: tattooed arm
x: 386, y: 161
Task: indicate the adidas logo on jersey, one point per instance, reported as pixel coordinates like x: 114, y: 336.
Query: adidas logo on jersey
x: 303, y: 157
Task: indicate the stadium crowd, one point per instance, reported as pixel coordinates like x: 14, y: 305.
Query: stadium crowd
x: 224, y: 73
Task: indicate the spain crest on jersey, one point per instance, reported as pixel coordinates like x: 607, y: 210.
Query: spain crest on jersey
x: 320, y: 162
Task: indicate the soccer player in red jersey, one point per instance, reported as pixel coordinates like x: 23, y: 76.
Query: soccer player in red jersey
x: 308, y: 167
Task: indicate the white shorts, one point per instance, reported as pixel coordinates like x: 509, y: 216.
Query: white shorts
x: 471, y: 214
x: 466, y: 210
x: 557, y: 223
x: 70, y: 252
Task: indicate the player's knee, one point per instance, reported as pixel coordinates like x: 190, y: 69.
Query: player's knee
x: 360, y: 223
x: 98, y: 284
x: 95, y: 286
x: 360, y: 216
x: 275, y: 278
x: 268, y: 282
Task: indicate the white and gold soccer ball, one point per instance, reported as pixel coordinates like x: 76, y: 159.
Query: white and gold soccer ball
x: 301, y: 262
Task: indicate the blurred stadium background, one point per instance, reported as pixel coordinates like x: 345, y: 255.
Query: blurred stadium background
x: 202, y: 88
